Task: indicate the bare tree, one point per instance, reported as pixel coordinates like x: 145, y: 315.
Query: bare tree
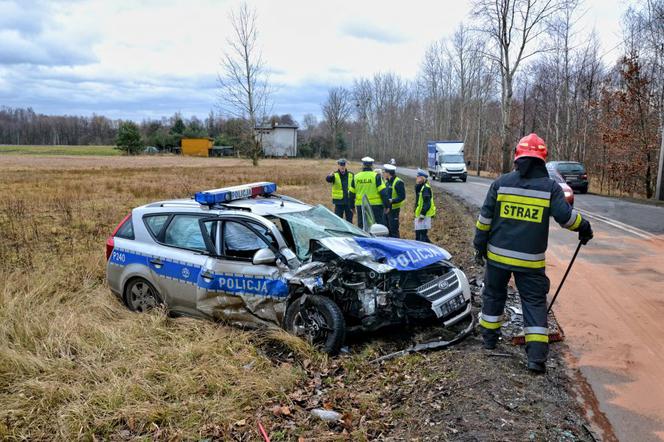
x: 243, y: 78
x: 337, y: 110
x: 513, y: 26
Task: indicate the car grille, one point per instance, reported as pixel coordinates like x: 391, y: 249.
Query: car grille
x: 439, y: 287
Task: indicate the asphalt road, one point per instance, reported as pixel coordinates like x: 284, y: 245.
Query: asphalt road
x: 612, y: 305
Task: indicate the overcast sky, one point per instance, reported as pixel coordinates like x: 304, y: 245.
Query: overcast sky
x: 136, y: 59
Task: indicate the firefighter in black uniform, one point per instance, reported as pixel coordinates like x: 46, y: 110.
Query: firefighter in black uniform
x: 396, y: 191
x: 342, y: 195
x: 512, y: 234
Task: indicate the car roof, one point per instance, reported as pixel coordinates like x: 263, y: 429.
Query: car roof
x: 269, y: 206
x: 259, y: 205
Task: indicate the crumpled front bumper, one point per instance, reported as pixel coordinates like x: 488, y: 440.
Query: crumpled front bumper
x: 449, y: 296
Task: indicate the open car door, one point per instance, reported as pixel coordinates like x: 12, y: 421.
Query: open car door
x: 368, y: 219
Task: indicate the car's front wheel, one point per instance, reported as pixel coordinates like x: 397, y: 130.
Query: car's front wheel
x: 318, y: 320
x: 141, y: 296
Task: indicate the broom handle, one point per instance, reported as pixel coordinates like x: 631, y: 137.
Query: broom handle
x: 569, y: 267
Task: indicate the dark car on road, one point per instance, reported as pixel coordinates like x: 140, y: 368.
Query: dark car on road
x: 573, y: 172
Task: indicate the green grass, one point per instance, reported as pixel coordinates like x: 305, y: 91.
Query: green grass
x: 58, y: 150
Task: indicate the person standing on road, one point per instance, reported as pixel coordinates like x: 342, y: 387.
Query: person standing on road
x: 396, y: 191
x: 512, y: 233
x: 369, y: 183
x: 425, y: 208
x: 342, y: 196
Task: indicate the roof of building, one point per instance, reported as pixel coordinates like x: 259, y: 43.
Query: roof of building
x: 276, y: 126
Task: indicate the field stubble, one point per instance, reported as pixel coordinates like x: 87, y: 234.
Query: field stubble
x: 76, y: 364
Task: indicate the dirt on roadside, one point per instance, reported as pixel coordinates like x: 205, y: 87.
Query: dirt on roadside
x: 463, y: 393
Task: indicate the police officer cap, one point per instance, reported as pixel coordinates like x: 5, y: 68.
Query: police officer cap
x: 390, y: 168
x: 368, y: 160
x: 341, y: 161
x: 423, y: 173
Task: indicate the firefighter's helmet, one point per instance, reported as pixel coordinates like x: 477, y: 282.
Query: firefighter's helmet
x: 531, y: 146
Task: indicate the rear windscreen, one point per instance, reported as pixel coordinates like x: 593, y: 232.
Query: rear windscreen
x: 571, y: 168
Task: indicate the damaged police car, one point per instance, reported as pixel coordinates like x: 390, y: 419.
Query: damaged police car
x: 246, y: 255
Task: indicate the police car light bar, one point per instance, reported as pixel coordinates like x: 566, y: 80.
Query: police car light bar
x: 228, y: 194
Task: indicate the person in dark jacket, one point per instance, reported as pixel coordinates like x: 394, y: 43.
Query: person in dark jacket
x: 512, y: 233
x: 342, y: 195
x: 425, y: 207
x: 396, y: 190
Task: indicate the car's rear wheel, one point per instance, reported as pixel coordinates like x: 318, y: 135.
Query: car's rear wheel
x: 584, y: 189
x: 318, y: 320
x: 141, y: 296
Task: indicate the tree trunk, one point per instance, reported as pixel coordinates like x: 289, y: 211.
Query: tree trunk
x: 507, y: 125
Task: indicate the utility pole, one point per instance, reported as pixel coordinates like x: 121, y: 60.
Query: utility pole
x: 659, y: 191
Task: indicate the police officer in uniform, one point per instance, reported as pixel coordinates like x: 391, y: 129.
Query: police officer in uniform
x: 342, y: 197
x: 369, y: 183
x: 512, y: 234
x: 425, y: 208
x: 396, y: 190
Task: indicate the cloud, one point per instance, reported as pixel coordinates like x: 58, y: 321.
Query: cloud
x: 31, y: 33
x: 368, y: 31
x: 16, y: 48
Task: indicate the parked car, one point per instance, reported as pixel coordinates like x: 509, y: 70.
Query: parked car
x: 248, y: 256
x: 569, y: 193
x: 573, y: 172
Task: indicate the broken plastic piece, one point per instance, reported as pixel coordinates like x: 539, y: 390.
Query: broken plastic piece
x: 326, y: 415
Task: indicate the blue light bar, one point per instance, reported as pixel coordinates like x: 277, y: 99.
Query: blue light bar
x: 228, y: 194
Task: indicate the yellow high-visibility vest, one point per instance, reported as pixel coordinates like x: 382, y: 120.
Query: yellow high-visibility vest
x: 394, y: 193
x: 420, y: 202
x: 365, y: 184
x: 337, y: 188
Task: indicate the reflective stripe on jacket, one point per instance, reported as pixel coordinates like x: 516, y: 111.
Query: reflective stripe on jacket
x: 368, y: 183
x: 513, y: 225
x: 431, y: 211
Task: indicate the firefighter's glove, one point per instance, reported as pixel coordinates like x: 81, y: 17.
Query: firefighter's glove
x: 585, y: 232
x: 479, y: 258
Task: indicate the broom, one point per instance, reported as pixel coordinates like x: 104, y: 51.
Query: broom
x: 558, y: 335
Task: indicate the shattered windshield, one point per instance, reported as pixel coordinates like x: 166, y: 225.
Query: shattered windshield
x: 316, y: 223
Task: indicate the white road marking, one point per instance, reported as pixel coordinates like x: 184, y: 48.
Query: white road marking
x: 479, y: 184
x: 617, y: 224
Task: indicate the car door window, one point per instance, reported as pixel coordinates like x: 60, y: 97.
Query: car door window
x: 241, y: 242
x: 184, y: 231
x: 155, y: 223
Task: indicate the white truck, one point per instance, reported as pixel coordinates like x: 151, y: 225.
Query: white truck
x: 446, y: 160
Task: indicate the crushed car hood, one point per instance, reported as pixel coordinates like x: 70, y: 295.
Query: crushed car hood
x: 386, y: 254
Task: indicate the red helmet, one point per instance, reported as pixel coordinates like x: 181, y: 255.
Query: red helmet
x: 531, y: 146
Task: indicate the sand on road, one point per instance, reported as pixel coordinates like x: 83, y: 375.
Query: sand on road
x: 612, y: 311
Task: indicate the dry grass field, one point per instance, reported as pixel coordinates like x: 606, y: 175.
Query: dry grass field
x: 9, y: 149
x: 76, y: 364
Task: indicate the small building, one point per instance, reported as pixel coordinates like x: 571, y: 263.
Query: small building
x: 278, y: 140
x: 196, y: 147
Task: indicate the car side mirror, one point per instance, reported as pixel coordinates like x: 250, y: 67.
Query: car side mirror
x: 264, y: 256
x: 436, y: 163
x: 379, y: 230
